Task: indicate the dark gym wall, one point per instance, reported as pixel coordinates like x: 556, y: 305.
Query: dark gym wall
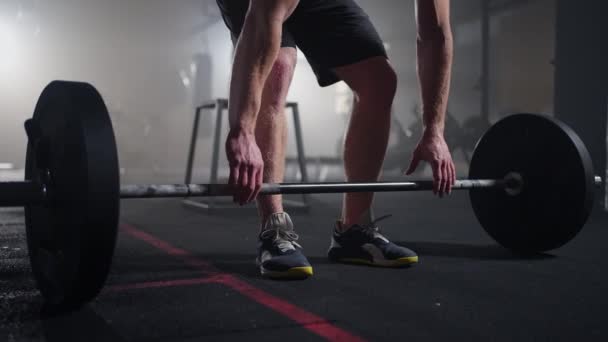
x: 581, y: 70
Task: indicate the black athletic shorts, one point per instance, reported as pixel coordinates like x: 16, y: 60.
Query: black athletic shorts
x: 330, y: 33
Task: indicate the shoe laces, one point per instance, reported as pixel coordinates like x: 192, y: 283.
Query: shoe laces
x: 371, y: 229
x: 283, y: 239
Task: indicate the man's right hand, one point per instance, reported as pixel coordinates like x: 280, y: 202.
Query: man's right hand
x: 246, y: 165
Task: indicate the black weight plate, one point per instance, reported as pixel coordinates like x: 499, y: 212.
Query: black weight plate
x: 71, y: 239
x: 558, y: 191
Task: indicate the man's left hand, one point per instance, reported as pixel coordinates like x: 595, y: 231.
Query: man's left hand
x: 433, y: 149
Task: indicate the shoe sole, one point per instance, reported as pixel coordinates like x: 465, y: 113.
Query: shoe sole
x: 401, y: 262
x: 292, y: 273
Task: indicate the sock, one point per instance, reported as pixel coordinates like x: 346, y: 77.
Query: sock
x: 366, y: 217
x: 277, y: 219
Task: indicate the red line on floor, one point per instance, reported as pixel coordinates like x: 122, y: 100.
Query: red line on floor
x: 186, y: 257
x: 307, y: 320
x: 321, y: 326
x: 160, y: 283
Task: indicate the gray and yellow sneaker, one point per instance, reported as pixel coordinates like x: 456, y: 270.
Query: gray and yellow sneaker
x: 279, y: 255
x: 363, y: 244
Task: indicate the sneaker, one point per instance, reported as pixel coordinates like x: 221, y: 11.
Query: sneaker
x: 363, y: 244
x: 279, y: 255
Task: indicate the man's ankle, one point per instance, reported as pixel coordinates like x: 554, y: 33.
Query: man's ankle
x: 346, y: 223
x: 276, y: 217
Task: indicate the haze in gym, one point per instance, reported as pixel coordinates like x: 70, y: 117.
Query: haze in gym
x: 184, y: 269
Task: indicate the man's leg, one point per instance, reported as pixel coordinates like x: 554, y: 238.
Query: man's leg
x: 374, y: 84
x: 279, y: 254
x: 271, y: 128
x: 341, y: 43
x: 356, y: 238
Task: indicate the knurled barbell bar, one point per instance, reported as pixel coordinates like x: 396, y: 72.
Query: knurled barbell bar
x: 531, y: 185
x: 19, y: 194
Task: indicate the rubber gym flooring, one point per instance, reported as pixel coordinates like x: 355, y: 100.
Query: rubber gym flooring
x: 184, y: 275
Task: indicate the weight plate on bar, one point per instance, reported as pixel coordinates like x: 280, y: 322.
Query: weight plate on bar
x: 558, y: 183
x: 71, y: 238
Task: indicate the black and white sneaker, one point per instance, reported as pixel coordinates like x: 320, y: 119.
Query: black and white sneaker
x: 363, y: 244
x: 279, y: 255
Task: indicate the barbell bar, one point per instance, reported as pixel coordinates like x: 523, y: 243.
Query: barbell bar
x: 206, y: 190
x: 512, y: 184
x: 531, y: 184
x: 19, y: 194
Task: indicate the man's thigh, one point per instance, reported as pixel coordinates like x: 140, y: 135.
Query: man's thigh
x: 333, y: 34
x: 234, y: 12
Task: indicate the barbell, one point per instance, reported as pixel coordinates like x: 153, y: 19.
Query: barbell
x: 531, y: 185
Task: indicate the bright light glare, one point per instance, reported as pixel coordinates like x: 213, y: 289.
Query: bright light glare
x: 185, y: 78
x: 8, y: 46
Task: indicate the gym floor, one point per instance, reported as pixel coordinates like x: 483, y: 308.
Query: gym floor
x: 183, y: 275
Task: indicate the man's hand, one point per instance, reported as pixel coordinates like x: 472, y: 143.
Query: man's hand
x: 246, y: 165
x: 433, y: 149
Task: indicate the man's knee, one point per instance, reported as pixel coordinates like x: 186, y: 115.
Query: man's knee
x: 279, y: 79
x: 379, y: 86
x: 285, y: 63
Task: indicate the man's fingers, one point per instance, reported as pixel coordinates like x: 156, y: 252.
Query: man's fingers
x: 242, y: 192
x: 259, y: 181
x: 233, y: 181
x: 252, y: 186
x: 234, y: 174
x: 436, y: 176
x: 440, y: 179
x: 413, y: 165
x: 246, y: 181
x: 452, y: 175
x: 445, y: 178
